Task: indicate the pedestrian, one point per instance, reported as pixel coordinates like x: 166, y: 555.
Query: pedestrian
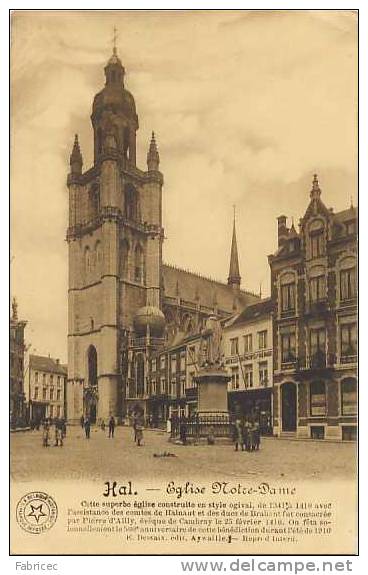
x: 82, y: 421
x: 139, y: 426
x: 103, y: 425
x: 58, y: 434
x: 111, y: 427
x: 87, y: 427
x: 183, y: 430
x: 257, y: 435
x: 135, y: 417
x: 247, y: 435
x: 63, y: 428
x: 238, y: 434
x: 45, y: 434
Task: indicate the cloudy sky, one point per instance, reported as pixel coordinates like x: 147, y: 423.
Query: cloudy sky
x: 246, y: 106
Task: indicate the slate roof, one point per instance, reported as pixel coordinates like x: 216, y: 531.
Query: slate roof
x: 48, y: 364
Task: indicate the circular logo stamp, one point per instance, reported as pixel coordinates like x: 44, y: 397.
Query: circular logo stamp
x: 36, y: 512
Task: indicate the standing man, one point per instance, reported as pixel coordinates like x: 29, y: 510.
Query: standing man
x: 82, y: 421
x: 87, y: 427
x: 111, y: 427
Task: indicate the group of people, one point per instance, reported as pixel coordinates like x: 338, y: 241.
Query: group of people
x: 59, y: 432
x: 138, y: 422
x: 247, y: 435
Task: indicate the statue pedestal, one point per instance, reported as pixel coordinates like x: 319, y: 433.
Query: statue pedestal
x: 212, y: 413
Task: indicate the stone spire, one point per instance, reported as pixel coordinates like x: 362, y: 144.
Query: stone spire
x: 153, y: 158
x: 315, y: 191
x: 76, y: 160
x: 234, y: 275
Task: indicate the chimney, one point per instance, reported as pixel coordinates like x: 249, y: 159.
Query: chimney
x: 282, y: 231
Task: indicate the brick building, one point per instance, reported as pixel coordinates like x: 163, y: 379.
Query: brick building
x: 46, y: 388
x: 17, y: 404
x: 313, y: 283
x: 124, y: 303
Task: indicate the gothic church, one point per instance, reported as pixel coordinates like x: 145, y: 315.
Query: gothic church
x: 124, y: 303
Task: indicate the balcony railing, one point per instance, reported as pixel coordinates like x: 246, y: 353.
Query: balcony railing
x: 348, y: 359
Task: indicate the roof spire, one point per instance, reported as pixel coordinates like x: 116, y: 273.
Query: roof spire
x: 315, y: 191
x: 234, y: 275
x: 115, y: 35
x: 76, y: 160
x: 153, y: 158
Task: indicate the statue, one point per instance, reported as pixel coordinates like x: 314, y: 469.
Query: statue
x: 210, y: 353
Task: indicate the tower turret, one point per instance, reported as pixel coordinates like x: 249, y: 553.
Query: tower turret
x: 76, y: 160
x: 316, y: 190
x: 234, y: 275
x: 153, y: 158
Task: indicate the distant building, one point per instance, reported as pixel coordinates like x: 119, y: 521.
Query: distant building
x: 313, y: 283
x: 248, y: 354
x: 17, y: 349
x: 46, y: 388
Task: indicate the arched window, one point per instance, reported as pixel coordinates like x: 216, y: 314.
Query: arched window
x: 94, y: 202
x: 130, y: 202
x: 349, y: 396
x: 92, y: 366
x: 140, y: 376
x: 317, y: 240
x: 318, y: 398
x: 138, y: 264
x: 124, y: 258
x: 87, y: 262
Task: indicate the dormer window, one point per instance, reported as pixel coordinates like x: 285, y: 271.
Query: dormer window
x: 317, y: 244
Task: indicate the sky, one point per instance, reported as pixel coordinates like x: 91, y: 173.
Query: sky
x: 246, y: 107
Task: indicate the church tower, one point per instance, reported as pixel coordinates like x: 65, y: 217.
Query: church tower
x: 115, y: 239
x: 234, y: 278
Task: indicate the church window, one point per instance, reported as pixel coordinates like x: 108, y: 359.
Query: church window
x: 130, y: 203
x: 124, y: 257
x: 138, y: 265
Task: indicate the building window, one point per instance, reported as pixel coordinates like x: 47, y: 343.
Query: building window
x: 348, y: 334
x: 182, y: 387
x: 348, y: 284
x: 36, y: 377
x: 350, y: 228
x: 51, y: 411
x: 44, y: 391
x: 262, y: 339
x: 317, y: 244
x: 58, y: 411
x: 318, y: 288
x: 182, y: 361
x: 318, y: 398
x: 36, y: 393
x: 288, y: 297
x: 234, y: 346
x: 163, y: 385
x: 288, y: 347
x: 154, y: 365
x: 58, y: 394
x: 248, y: 344
x: 58, y: 381
x: 51, y: 379
x: 234, y: 378
x: 248, y: 375
x: 162, y: 362
x: 51, y: 393
x: 44, y: 378
x: 192, y: 354
x: 173, y: 363
x: 173, y: 388
x: 263, y: 373
x: 349, y: 396
x: 317, y: 347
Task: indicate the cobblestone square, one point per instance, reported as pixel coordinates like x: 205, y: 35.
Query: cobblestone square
x: 101, y: 458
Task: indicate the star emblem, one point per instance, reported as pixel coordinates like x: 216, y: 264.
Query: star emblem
x: 37, y: 512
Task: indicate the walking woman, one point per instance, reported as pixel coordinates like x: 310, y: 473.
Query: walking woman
x: 139, y: 426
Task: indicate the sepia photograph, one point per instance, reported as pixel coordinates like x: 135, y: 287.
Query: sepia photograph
x: 183, y: 296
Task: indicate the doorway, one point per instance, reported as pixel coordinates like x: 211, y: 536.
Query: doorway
x: 289, y: 408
